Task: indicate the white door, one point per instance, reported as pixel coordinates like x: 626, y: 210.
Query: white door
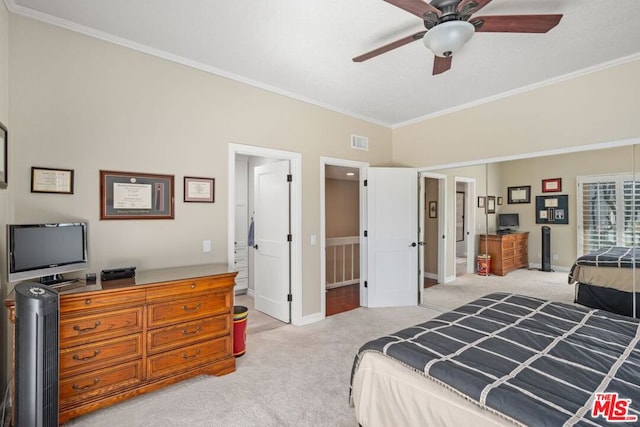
x: 272, y: 247
x: 392, y: 211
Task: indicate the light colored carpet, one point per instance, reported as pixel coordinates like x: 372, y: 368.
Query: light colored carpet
x: 289, y: 376
x: 256, y: 320
x: 546, y: 285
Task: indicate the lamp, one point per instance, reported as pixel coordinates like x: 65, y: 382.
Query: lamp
x: 449, y: 37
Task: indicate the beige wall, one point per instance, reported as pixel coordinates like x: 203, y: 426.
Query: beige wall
x: 84, y: 104
x: 4, y: 194
x: 568, y: 167
x: 599, y: 107
x: 342, y: 208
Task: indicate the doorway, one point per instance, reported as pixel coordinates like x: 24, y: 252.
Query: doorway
x: 464, y: 226
x: 284, y: 300
x: 341, y: 234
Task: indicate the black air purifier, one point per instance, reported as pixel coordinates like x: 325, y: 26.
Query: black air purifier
x: 546, y: 248
x: 36, y: 356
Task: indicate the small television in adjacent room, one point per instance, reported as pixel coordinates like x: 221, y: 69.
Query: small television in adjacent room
x: 508, y: 222
x: 46, y: 251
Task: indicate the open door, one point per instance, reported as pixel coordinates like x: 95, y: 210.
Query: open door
x: 272, y: 243
x: 392, y: 223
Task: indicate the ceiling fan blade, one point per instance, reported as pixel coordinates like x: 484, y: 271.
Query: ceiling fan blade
x: 440, y: 64
x: 515, y: 23
x: 393, y: 45
x: 479, y: 4
x: 417, y: 7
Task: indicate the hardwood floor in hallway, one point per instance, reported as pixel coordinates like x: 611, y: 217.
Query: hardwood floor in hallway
x: 342, y: 299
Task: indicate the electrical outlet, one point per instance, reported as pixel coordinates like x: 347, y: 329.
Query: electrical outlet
x: 556, y: 257
x: 206, y: 246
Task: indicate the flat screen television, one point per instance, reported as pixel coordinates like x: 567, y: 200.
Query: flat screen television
x: 508, y: 221
x: 46, y: 251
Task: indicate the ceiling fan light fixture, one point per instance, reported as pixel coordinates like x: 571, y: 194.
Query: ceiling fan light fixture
x: 448, y: 38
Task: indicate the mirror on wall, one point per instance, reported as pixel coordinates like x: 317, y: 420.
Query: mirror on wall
x: 548, y: 199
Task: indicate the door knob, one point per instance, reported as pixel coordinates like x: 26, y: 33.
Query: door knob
x: 413, y: 244
x: 255, y: 247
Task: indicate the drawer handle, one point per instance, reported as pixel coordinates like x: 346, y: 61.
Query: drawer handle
x: 87, y: 301
x: 185, y: 332
x: 90, y: 328
x: 95, y: 353
x: 193, y: 286
x: 185, y: 308
x: 87, y: 387
x: 186, y: 357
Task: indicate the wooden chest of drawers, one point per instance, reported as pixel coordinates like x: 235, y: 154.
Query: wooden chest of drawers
x: 508, y: 251
x: 120, y: 342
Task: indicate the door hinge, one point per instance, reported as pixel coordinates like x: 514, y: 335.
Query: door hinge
x: 289, y: 178
x: 366, y: 233
x: 365, y: 182
x: 289, y: 298
x: 289, y: 238
x: 366, y: 285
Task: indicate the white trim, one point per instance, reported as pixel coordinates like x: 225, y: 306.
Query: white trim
x: 531, y: 87
x: 311, y: 318
x: 534, y: 154
x: 324, y: 161
x: 295, y: 160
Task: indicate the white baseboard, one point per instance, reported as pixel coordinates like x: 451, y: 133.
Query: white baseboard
x: 433, y: 276
x: 311, y: 318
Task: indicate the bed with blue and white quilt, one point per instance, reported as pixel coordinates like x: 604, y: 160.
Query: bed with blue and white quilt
x: 503, y: 359
x: 605, y: 279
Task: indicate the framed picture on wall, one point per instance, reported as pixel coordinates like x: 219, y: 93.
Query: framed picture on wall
x: 491, y: 204
x: 4, y: 162
x: 481, y: 201
x: 199, y: 189
x: 433, y: 209
x: 521, y: 194
x: 130, y: 195
x: 552, y: 185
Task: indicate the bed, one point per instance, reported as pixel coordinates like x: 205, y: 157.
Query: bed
x: 502, y: 359
x: 605, y: 279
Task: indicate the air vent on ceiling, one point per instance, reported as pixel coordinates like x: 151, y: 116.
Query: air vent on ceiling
x: 360, y: 142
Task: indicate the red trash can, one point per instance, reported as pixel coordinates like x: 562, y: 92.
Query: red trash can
x: 240, y: 314
x: 483, y: 263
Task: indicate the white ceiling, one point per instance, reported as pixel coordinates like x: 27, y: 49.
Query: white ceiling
x: 303, y: 48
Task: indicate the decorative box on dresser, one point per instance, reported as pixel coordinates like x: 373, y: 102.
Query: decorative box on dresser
x: 508, y: 251
x: 119, y: 339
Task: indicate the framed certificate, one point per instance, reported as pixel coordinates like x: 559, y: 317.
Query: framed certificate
x: 128, y: 195
x: 520, y: 194
x: 48, y: 180
x: 199, y: 189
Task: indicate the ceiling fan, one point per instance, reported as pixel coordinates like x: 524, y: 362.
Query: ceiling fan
x: 449, y: 25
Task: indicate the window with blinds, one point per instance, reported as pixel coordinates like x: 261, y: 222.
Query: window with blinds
x: 608, y: 212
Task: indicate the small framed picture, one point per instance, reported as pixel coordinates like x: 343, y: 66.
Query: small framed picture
x: 499, y: 201
x: 491, y: 204
x: 48, y: 180
x: 433, y: 209
x: 4, y: 159
x: 481, y: 201
x: 552, y: 185
x: 200, y: 190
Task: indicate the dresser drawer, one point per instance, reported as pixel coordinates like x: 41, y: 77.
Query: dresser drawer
x: 187, y: 333
x: 93, y: 383
x: 186, y: 358
x: 186, y: 309
x: 84, y: 358
x: 190, y: 287
x: 83, y: 329
x: 82, y: 302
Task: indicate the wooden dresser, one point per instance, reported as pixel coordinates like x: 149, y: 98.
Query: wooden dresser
x: 508, y: 251
x: 119, y: 339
